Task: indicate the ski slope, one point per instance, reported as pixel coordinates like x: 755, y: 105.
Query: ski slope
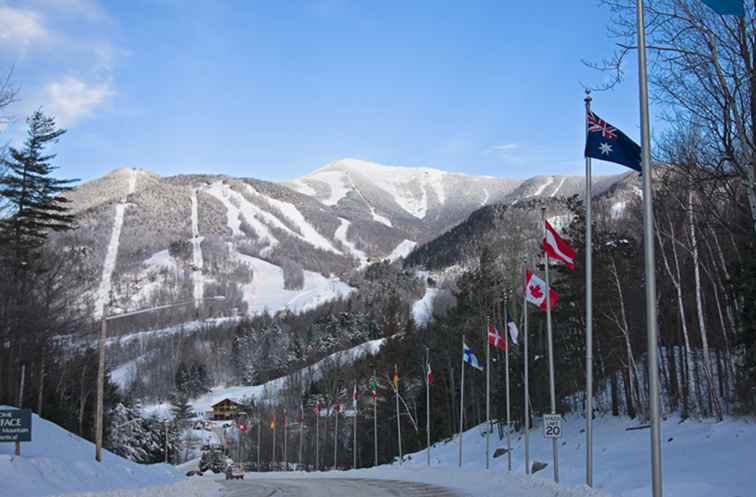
x: 402, y: 250
x: 198, y: 279
x: 422, y: 310
x: 266, y: 292
x: 559, y: 187
x: 341, y: 235
x: 57, y: 462
x: 699, y: 458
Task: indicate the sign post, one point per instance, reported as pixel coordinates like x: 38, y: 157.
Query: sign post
x: 15, y: 426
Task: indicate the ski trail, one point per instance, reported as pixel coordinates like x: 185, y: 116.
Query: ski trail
x: 341, y: 235
x: 198, y: 279
x: 558, y: 187
x: 485, y: 199
x: 102, y: 298
x: 543, y: 187
x: 376, y: 217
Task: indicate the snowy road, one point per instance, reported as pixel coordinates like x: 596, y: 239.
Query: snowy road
x: 332, y: 487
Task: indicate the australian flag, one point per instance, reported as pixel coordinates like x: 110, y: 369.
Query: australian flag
x: 605, y: 142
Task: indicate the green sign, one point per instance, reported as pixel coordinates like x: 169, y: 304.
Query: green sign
x: 15, y: 425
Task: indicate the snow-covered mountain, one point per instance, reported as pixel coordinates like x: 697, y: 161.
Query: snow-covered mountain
x: 269, y: 246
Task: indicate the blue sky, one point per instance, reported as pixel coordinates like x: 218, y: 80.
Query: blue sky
x: 273, y: 89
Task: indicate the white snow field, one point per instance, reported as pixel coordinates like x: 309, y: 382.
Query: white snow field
x: 699, y: 459
x: 422, y: 310
x: 341, y: 235
x: 402, y: 250
x: 198, y: 279
x: 266, y: 292
x: 58, y: 462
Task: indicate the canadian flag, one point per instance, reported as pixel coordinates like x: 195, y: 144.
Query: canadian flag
x: 535, y: 290
x: 556, y: 248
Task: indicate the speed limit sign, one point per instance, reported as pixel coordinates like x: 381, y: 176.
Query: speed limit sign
x: 552, y: 426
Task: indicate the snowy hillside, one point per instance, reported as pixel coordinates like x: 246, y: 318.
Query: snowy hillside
x: 57, y: 462
x: 621, y: 457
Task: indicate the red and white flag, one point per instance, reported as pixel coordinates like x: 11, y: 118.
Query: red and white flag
x: 355, y: 398
x: 429, y: 374
x: 556, y: 248
x: 317, y: 407
x: 535, y: 290
x: 495, y: 338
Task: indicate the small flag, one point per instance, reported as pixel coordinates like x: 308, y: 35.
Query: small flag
x: 512, y: 327
x: 354, y: 397
x: 337, y: 407
x: 605, y: 142
x: 242, y: 427
x: 535, y: 289
x: 429, y: 374
x: 301, y: 414
x: 317, y: 407
x: 469, y: 357
x: 495, y: 338
x: 557, y: 248
x: 373, y: 388
x: 273, y: 423
x: 395, y: 379
x: 727, y: 7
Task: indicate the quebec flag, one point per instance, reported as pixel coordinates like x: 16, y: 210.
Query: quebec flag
x: 469, y: 357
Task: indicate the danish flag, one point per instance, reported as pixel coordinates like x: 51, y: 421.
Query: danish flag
x: 495, y: 338
x: 557, y: 248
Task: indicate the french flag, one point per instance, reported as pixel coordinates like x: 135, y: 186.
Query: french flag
x: 556, y: 248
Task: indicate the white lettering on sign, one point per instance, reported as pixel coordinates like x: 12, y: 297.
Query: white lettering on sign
x: 13, y: 423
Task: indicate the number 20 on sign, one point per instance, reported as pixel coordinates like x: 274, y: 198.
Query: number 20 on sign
x: 552, y: 426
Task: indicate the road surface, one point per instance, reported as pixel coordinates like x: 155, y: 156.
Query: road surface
x: 332, y: 487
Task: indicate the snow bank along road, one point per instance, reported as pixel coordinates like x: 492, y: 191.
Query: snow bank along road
x: 332, y: 487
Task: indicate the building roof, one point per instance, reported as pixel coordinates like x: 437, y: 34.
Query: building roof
x: 226, y: 400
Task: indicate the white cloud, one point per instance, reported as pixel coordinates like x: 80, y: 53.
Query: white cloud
x: 21, y: 28
x: 504, y: 148
x: 71, y: 99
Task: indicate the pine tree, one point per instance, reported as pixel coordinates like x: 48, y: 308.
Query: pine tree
x: 34, y: 197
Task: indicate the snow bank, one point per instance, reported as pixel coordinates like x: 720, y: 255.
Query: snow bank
x: 699, y: 458
x: 57, y: 462
x: 194, y: 487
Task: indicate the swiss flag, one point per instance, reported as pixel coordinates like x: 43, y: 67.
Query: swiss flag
x: 535, y: 290
x: 495, y: 338
x: 556, y: 248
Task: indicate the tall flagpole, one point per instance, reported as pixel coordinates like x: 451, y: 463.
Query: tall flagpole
x: 375, y: 421
x: 525, y: 367
x: 317, y: 437
x: 354, y: 445
x: 488, y: 396
x: 588, y: 311
x: 274, y: 439
x: 506, y: 366
x: 301, y: 433
x: 649, y: 263
x: 286, y: 438
x: 427, y: 402
x: 336, y: 439
x: 462, y: 402
x: 549, y: 338
x: 398, y: 420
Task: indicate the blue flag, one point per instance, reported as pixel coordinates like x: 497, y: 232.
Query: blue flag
x: 605, y: 142
x: 469, y: 357
x: 727, y: 7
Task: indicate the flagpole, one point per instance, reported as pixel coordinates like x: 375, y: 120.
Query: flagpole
x: 552, y: 393
x: 398, y: 420
x: 336, y: 439
x: 588, y: 311
x: 286, y: 438
x: 259, y: 441
x: 427, y: 403
x: 317, y: 437
x: 525, y: 367
x: 354, y: 446
x: 649, y: 263
x: 301, y: 433
x: 375, y: 421
x: 274, y: 439
x: 462, y: 401
x: 506, y: 366
x: 488, y: 395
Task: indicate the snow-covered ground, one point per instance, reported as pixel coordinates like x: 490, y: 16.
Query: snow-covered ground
x: 422, y: 310
x: 402, y: 250
x: 699, y: 458
x: 203, y: 403
x: 57, y: 462
x: 341, y: 235
x: 559, y: 187
x: 266, y: 292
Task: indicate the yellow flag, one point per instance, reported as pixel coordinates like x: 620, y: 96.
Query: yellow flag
x: 395, y: 378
